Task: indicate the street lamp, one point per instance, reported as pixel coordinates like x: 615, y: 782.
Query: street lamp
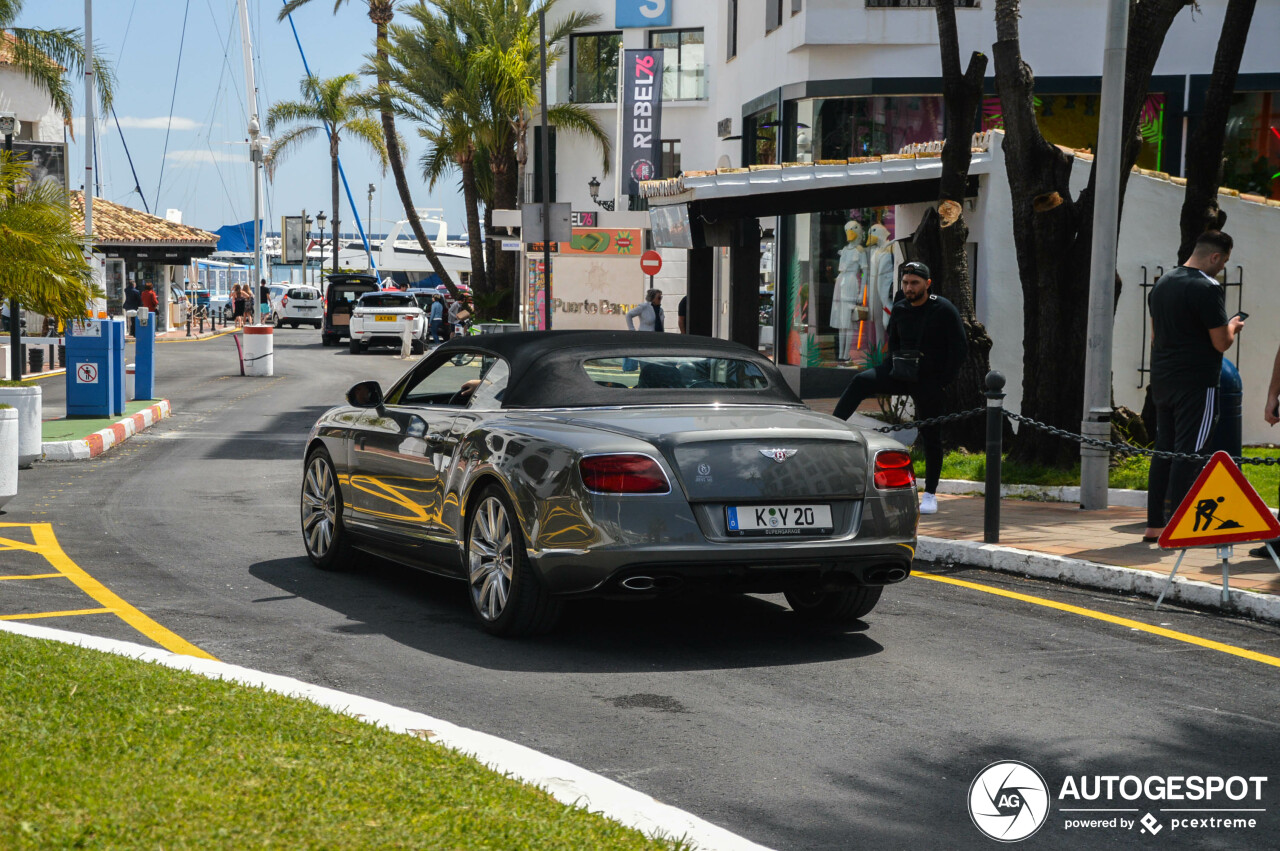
x: 594, y: 186
x: 368, y: 228
x: 8, y: 127
x: 321, y: 218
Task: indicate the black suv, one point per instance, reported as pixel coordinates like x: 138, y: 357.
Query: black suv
x: 341, y: 293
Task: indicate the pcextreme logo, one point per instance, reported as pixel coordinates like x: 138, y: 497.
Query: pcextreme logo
x: 1009, y: 801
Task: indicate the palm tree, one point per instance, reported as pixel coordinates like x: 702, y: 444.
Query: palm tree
x: 331, y: 105
x: 42, y: 262
x: 44, y: 55
x: 467, y: 71
x: 381, y: 13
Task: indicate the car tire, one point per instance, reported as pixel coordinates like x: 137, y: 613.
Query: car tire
x: 293, y: 325
x: 275, y: 320
x: 507, y: 596
x: 834, y: 607
x: 323, y: 533
x: 354, y: 345
x: 417, y: 347
x: 326, y: 340
x: 315, y: 325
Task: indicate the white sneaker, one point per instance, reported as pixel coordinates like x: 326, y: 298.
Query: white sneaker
x: 928, y: 504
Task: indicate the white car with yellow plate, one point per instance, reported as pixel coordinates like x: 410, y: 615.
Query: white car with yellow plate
x: 381, y: 318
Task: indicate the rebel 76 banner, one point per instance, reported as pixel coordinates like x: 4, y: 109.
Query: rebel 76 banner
x: 641, y: 118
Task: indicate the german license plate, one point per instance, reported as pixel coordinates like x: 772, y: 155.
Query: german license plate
x: 751, y: 520
x: 385, y: 318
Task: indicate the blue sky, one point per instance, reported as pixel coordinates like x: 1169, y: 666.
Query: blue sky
x: 206, y: 172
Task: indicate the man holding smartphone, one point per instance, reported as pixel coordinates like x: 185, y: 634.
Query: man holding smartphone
x: 1190, y: 331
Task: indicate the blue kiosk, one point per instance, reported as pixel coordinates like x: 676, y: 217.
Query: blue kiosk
x: 95, y: 366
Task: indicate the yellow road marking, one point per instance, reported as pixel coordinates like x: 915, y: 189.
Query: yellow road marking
x: 32, y: 576
x: 54, y: 614
x: 1103, y: 616
x: 46, y: 544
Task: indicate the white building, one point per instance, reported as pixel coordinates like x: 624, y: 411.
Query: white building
x: 769, y: 82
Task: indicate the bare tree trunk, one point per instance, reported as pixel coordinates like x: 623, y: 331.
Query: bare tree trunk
x: 1053, y: 233
x: 380, y: 13
x: 942, y: 235
x: 1204, y: 151
x: 506, y: 183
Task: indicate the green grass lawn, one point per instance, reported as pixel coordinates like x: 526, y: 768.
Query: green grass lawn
x: 103, y: 752
x: 1130, y: 473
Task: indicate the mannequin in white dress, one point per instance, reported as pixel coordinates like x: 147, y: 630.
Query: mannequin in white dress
x: 881, y: 265
x: 848, y: 290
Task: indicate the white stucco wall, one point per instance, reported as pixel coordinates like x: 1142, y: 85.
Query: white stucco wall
x: 31, y: 105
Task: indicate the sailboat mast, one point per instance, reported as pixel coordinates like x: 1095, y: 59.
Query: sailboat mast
x: 256, y: 141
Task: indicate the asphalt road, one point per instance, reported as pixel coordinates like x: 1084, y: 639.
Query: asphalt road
x: 795, y: 738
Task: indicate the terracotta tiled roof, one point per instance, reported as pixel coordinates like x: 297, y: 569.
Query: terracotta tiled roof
x: 7, y: 41
x: 116, y: 224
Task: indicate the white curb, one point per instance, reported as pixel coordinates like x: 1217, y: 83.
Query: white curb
x: 102, y: 440
x: 1130, y: 580
x: 565, y: 781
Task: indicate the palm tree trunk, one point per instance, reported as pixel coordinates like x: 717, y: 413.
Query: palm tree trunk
x: 380, y: 14
x: 479, y: 281
x: 333, y: 176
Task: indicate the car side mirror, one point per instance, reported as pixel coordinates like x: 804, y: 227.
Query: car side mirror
x: 366, y: 394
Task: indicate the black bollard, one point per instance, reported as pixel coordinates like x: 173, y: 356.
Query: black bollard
x: 36, y: 354
x: 995, y: 436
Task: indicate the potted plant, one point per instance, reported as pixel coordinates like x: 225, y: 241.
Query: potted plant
x: 8, y: 454
x: 25, y: 398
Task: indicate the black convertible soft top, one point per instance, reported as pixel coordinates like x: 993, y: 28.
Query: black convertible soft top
x: 547, y: 372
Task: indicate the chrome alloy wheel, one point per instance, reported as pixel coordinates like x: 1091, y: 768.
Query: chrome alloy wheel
x: 319, y: 507
x: 490, y: 553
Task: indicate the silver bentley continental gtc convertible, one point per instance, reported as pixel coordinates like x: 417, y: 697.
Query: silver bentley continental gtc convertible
x: 541, y: 466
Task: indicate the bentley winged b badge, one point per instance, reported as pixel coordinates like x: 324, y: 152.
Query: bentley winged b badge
x: 778, y: 455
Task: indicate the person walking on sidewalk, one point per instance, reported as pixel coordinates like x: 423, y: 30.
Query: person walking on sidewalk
x: 132, y: 301
x: 927, y: 347
x: 1271, y: 413
x: 1190, y: 331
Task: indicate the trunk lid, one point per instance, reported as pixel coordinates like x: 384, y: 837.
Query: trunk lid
x: 749, y: 453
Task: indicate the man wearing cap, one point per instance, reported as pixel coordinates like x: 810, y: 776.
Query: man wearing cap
x: 927, y: 347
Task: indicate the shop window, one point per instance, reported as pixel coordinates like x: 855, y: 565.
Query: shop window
x: 761, y: 132
x: 670, y: 158
x: 1071, y: 120
x: 1252, y: 144
x: 732, y: 35
x: 838, y: 275
x: 912, y: 4
x: 870, y: 126
x: 772, y: 15
x: 593, y: 64
x: 684, y: 67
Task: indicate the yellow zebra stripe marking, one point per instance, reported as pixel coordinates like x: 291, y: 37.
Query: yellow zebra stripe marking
x: 46, y: 544
x: 55, y: 614
x: 1252, y: 655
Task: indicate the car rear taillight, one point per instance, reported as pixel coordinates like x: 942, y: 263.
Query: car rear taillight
x: 623, y: 474
x: 284, y: 301
x: 893, y: 470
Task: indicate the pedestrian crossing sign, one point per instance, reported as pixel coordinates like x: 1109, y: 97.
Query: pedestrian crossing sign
x: 1221, y: 508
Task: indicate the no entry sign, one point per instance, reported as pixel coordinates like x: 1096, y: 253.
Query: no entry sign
x: 651, y: 262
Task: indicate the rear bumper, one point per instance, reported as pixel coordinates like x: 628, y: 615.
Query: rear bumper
x: 751, y: 568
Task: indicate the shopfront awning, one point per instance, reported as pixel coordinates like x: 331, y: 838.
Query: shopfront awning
x: 793, y: 188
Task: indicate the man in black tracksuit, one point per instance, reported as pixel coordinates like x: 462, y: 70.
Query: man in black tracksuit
x: 1189, y: 333
x: 928, y: 326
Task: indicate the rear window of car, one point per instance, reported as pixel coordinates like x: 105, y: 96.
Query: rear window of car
x: 304, y: 294
x: 675, y: 373
x: 386, y: 300
x: 348, y: 293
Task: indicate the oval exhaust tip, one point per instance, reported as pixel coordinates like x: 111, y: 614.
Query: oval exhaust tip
x: 638, y: 583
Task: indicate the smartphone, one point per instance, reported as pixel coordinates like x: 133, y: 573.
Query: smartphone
x: 1243, y: 316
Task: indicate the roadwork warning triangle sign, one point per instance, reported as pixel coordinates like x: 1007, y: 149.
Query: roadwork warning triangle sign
x: 1221, y: 508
